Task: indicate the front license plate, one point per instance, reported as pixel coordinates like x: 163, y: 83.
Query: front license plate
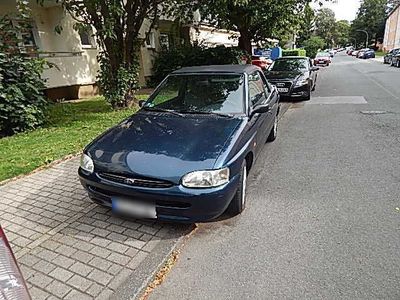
x: 134, y: 208
x: 283, y: 90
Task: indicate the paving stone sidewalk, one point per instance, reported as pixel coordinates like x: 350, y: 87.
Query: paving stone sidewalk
x: 67, y: 246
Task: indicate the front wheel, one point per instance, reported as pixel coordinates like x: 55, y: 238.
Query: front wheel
x: 308, y: 95
x: 238, y: 203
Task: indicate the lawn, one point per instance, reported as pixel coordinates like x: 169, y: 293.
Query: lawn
x: 379, y: 53
x: 70, y: 127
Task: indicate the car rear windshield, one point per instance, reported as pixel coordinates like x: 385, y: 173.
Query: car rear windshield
x: 289, y: 65
x: 214, y: 93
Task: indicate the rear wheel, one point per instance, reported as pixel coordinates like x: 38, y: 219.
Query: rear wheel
x: 398, y: 64
x: 315, y: 84
x: 274, y: 131
x: 238, y: 203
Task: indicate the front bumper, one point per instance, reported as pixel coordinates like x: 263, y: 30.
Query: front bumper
x: 176, y: 203
x: 296, y: 92
x: 321, y: 62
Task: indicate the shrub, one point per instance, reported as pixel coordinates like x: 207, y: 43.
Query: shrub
x: 313, y: 45
x: 187, y: 56
x: 22, y: 99
x: 295, y: 52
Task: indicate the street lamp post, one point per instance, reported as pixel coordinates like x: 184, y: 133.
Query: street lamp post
x: 366, y: 42
x: 355, y: 42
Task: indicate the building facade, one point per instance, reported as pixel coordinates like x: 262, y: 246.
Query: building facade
x: 392, y: 30
x: 74, y: 54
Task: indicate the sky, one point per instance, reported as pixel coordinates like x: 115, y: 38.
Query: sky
x: 344, y: 9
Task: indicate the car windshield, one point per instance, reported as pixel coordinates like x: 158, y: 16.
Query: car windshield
x: 200, y: 93
x: 323, y: 54
x: 289, y: 65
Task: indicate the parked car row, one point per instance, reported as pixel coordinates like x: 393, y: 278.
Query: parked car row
x: 186, y: 154
x: 364, y: 53
x: 392, y: 58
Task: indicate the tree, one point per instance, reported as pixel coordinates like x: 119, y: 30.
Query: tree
x: 117, y: 25
x: 371, y: 17
x: 325, y: 23
x: 313, y: 45
x: 255, y: 20
x: 306, y: 26
x: 341, y: 33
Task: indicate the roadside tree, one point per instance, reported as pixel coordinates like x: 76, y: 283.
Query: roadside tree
x: 118, y: 25
x: 313, y: 45
x: 325, y: 24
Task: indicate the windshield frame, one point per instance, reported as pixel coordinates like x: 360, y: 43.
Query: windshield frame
x: 244, y: 96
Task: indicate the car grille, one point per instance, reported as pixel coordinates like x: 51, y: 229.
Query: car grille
x: 282, y: 84
x: 133, y: 181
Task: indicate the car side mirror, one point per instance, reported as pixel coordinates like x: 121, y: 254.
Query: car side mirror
x: 260, y: 109
x: 141, y: 103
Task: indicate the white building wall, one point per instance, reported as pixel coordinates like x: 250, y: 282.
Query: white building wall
x: 74, y: 65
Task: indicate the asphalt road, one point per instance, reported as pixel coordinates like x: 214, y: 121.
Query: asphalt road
x: 323, y: 217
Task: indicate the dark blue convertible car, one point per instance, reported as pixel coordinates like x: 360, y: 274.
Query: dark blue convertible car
x: 185, y: 155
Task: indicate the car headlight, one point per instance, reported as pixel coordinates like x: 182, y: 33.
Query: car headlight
x: 87, y: 163
x: 301, y: 81
x: 206, y: 179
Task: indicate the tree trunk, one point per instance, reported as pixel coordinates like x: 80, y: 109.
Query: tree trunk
x: 245, y: 41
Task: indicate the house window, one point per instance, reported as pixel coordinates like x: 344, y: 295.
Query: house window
x: 164, y: 41
x: 28, y: 35
x: 151, y: 41
x: 87, y: 39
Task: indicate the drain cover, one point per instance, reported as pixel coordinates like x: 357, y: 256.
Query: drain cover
x: 374, y: 112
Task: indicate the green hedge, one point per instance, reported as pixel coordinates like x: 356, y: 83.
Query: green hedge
x: 295, y: 52
x: 187, y: 56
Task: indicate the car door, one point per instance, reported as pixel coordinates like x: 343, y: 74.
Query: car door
x: 257, y: 96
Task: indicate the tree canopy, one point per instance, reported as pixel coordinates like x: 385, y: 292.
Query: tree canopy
x: 325, y: 23
x: 371, y: 17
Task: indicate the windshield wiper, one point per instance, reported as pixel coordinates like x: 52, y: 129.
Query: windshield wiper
x: 193, y: 112
x: 158, y: 109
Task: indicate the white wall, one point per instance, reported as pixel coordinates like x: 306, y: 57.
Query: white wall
x: 212, y: 37
x: 73, y: 68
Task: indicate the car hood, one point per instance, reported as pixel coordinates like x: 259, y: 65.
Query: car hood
x: 162, y: 145
x: 283, y: 75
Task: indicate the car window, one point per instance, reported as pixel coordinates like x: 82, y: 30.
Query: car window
x: 256, y: 89
x: 218, y: 93
x: 267, y: 86
x: 288, y: 64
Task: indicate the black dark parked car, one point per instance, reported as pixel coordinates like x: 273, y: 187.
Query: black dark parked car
x: 396, y: 60
x: 185, y: 155
x: 294, y: 76
x: 387, y: 59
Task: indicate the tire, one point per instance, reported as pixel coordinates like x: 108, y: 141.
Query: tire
x: 238, y: 203
x: 398, y: 64
x: 274, y: 131
x: 315, y: 84
x: 308, y: 96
